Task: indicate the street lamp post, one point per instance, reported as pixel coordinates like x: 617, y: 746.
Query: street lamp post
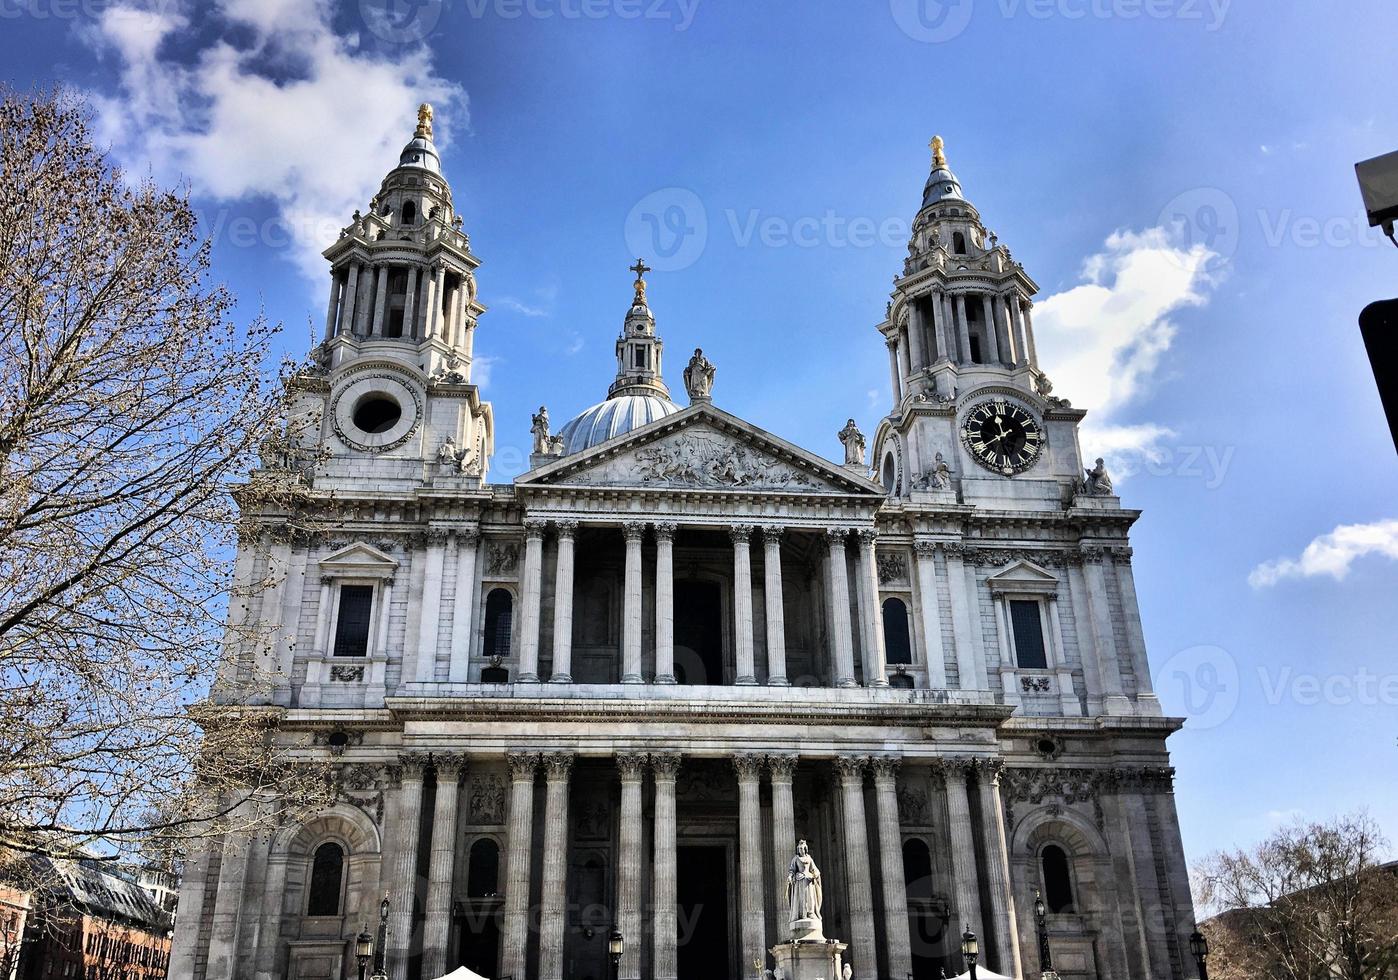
x: 616, y: 946
x: 1046, y: 971
x: 364, y: 950
x: 970, y: 951
x: 1199, y: 946
x: 378, y: 952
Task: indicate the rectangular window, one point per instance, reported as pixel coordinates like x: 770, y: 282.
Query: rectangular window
x: 640, y: 357
x: 1028, y: 631
x: 352, y: 626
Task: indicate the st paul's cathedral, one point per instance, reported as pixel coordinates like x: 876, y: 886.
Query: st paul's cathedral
x: 615, y: 693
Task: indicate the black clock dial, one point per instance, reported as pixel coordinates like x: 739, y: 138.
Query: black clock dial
x: 1002, y: 436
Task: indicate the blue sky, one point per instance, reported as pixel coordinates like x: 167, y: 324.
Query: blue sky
x: 1176, y: 174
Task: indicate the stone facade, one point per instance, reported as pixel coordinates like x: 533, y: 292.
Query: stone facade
x: 616, y: 692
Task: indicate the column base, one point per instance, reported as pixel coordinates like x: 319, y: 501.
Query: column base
x: 745, y: 682
x: 846, y: 682
x: 528, y: 679
x: 561, y: 679
x: 778, y: 682
x: 664, y: 679
x: 632, y: 679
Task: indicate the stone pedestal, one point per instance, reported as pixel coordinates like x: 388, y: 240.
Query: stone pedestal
x: 809, y: 961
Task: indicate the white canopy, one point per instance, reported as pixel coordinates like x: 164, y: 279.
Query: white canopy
x: 981, y: 974
x: 461, y: 973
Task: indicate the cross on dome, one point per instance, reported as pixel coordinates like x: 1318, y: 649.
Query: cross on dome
x: 640, y: 268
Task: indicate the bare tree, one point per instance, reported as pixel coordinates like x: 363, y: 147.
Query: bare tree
x: 1312, y: 902
x: 129, y: 401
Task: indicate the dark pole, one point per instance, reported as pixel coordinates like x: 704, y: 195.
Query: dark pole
x: 1041, y: 923
x: 383, y: 938
x: 1199, y: 946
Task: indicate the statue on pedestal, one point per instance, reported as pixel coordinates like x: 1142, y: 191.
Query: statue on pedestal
x: 1097, y: 483
x: 804, y: 896
x: 853, y: 441
x: 699, y: 377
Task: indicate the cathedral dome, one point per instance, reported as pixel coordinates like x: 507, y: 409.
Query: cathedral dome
x: 421, y: 153
x: 613, y: 417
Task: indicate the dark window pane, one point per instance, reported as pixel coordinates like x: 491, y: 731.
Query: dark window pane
x: 1028, y: 633
x: 917, y: 869
x: 1058, y: 880
x: 483, y: 873
x: 895, y: 632
x: 327, y: 870
x: 352, y: 627
x: 499, y: 612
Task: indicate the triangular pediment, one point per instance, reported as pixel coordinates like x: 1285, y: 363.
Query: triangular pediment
x: 358, y: 560
x: 1022, y: 575
x: 701, y: 448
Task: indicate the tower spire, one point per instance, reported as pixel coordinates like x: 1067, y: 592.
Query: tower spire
x: 640, y: 268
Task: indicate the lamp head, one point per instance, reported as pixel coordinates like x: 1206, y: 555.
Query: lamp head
x: 616, y: 944
x: 1039, y: 909
x: 1198, y: 945
x: 363, y: 946
x: 970, y: 946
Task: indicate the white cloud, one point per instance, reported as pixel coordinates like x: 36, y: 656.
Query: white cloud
x: 272, y: 104
x: 1103, y: 340
x: 1331, y: 554
x: 518, y: 306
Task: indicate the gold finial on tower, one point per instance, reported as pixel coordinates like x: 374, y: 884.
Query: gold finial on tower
x: 640, y: 268
x: 424, y: 121
x: 939, y: 156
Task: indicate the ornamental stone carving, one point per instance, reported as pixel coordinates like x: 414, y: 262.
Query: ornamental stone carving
x: 558, y: 765
x: 912, y: 806
x: 783, y: 767
x: 523, y: 765
x: 699, y: 377
x: 853, y: 440
x: 892, y: 568
x: 665, y: 764
x: 632, y: 766
x: 485, y: 804
x: 1097, y: 483
x: 748, y: 767
x: 665, y: 531
x: 704, y: 459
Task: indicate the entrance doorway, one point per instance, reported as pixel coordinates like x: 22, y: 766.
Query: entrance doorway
x: 698, y: 632
x: 480, y: 939
x: 702, y: 891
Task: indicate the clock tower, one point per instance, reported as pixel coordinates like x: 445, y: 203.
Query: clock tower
x: 972, y: 412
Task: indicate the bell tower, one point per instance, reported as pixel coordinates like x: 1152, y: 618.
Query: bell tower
x: 388, y: 398
x: 958, y: 329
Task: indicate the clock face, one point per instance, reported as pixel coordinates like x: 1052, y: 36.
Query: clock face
x: 1002, y: 436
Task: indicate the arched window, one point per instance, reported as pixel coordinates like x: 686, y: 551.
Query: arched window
x: 483, y: 869
x: 1058, y: 879
x: 499, y: 616
x: 409, y: 213
x: 327, y: 875
x: 895, y: 632
x: 917, y: 869
x: 890, y: 474
x: 958, y: 243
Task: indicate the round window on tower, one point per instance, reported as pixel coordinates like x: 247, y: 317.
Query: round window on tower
x: 376, y: 413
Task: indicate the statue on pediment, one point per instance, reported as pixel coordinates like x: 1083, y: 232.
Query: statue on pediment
x: 699, y: 377
x: 1097, y: 483
x: 853, y: 441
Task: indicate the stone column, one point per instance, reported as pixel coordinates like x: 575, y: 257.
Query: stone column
x: 435, y: 297
x: 782, y: 768
x: 380, y: 299
x: 1135, y: 638
x: 628, y: 890
x: 897, y: 942
x: 665, y: 928
x: 189, y: 910
x: 997, y: 869
x: 1024, y: 308
x: 230, y: 902
x: 750, y: 914
x: 463, y: 607
x: 915, y: 335
x: 430, y: 621
x: 436, y: 934
x: 861, y: 901
x: 553, y: 911
x: 563, y: 605
x: 529, y: 614
x: 1103, y: 639
x: 631, y: 618
x: 363, y: 311
x: 346, y: 324
x: 334, y: 308
x: 665, y: 603
x: 402, y: 885
x: 930, y: 614
x: 321, y: 646
x: 965, y: 879
x: 518, y: 848
x: 843, y: 640
x: 905, y: 363
x: 742, y: 603
x: 895, y: 379
x: 965, y: 621
x: 963, y: 328
x: 944, y: 335
x: 870, y: 612
x: 776, y: 606
x: 385, y: 607
x: 410, y: 303
x: 992, y: 342
x: 948, y: 325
